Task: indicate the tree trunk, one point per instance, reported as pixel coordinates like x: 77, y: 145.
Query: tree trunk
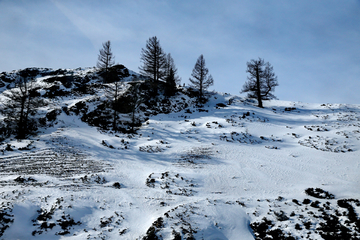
x: 201, y: 80
x: 114, y: 121
x: 20, y: 128
x: 115, y: 105
x: 133, y: 120
x: 258, y: 90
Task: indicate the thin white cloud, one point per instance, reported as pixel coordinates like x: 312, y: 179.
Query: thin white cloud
x: 92, y: 30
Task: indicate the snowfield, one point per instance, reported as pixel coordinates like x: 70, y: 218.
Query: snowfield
x: 227, y: 170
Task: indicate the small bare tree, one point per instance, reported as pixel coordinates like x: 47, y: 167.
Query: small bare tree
x: 21, y: 105
x: 200, y: 79
x: 135, y: 100
x: 113, y: 93
x: 105, y: 57
x: 261, y: 81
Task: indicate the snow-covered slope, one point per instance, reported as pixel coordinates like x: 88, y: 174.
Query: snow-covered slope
x: 227, y: 170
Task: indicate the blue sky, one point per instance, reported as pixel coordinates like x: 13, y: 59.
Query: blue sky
x: 314, y: 46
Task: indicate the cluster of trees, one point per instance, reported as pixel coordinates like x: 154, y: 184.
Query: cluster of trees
x: 106, y: 62
x: 23, y: 101
x: 160, y: 66
x: 157, y: 66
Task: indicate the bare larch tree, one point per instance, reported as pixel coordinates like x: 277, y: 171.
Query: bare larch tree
x: 20, y: 106
x: 153, y: 61
x: 200, y: 78
x: 261, y: 81
x: 106, y: 58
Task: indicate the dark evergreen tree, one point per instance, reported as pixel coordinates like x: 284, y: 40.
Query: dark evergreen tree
x: 21, y: 105
x: 171, y: 77
x: 105, y: 58
x: 170, y: 84
x: 200, y: 78
x: 153, y: 61
x: 261, y: 81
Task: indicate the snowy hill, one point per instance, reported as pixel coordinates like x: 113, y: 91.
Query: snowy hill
x: 225, y: 170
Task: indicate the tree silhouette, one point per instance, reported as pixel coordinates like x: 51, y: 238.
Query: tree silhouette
x: 200, y: 78
x: 153, y: 61
x: 261, y: 81
x: 171, y: 78
x: 105, y: 57
x: 135, y: 99
x: 113, y: 93
x: 21, y: 105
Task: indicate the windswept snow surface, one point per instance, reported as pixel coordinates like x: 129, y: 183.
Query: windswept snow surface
x: 204, y: 173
